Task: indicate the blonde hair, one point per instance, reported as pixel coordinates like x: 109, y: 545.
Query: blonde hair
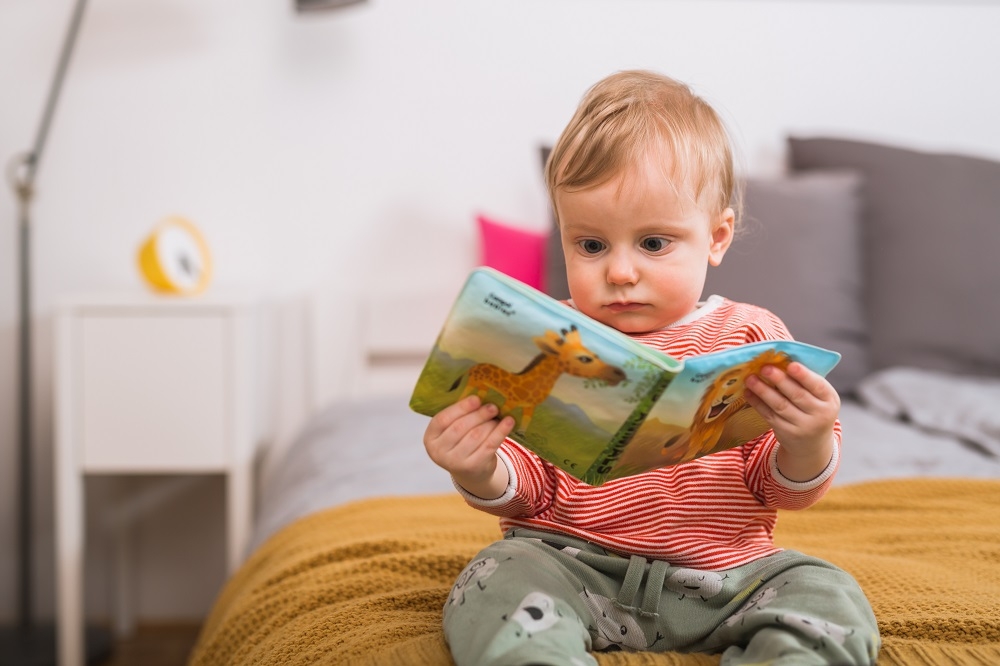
x: 631, y: 115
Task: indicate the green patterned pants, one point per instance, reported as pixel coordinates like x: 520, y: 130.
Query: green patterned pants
x: 541, y: 598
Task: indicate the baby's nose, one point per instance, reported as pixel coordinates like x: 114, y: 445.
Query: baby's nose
x: 621, y: 270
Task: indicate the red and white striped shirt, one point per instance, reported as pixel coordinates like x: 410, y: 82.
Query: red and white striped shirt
x: 712, y: 513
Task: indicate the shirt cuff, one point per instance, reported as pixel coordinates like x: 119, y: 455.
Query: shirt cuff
x: 823, y: 477
x: 508, y: 494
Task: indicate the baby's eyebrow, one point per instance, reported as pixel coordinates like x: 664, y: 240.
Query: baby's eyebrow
x: 590, y: 228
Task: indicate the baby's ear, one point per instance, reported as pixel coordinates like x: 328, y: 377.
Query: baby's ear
x: 722, y: 236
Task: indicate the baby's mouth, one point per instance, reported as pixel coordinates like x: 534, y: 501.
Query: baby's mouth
x: 625, y: 306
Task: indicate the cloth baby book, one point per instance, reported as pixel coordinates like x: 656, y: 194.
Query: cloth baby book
x: 586, y: 397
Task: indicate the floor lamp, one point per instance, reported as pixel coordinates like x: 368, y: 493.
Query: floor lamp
x: 28, y: 643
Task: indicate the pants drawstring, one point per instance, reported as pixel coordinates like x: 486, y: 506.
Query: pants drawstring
x: 654, y: 588
x: 633, y: 579
x: 637, y: 570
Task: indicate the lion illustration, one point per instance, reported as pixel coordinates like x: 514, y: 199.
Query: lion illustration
x: 721, y: 400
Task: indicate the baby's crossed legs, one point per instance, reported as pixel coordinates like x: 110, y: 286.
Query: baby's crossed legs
x: 538, y: 598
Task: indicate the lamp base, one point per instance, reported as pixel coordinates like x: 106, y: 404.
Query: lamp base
x: 36, y: 646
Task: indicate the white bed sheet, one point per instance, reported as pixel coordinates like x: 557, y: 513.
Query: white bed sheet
x: 372, y: 447
x: 351, y: 450
x: 876, y: 447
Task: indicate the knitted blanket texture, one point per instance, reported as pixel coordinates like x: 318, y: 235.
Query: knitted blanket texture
x: 365, y: 583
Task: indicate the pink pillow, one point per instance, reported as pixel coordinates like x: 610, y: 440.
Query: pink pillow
x: 519, y: 253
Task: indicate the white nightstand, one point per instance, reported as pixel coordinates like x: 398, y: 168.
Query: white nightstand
x: 148, y: 385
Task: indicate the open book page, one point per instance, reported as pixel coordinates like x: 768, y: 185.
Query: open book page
x: 702, y: 409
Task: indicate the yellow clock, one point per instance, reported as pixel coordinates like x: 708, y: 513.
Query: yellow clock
x: 175, y: 258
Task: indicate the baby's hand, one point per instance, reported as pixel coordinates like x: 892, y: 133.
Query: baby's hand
x: 801, y: 407
x: 463, y: 439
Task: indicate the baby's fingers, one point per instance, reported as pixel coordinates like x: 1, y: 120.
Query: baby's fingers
x: 787, y: 392
x: 497, y: 433
x: 762, y: 396
x: 776, y: 396
x: 474, y: 454
x: 450, y: 415
x: 815, y: 384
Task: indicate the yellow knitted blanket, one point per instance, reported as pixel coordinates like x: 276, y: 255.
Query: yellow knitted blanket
x: 365, y: 583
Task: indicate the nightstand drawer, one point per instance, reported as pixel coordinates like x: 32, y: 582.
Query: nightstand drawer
x: 153, y: 393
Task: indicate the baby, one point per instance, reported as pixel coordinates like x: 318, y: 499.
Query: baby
x: 680, y: 558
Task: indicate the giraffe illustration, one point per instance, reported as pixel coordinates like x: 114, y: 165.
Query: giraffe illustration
x: 561, y: 353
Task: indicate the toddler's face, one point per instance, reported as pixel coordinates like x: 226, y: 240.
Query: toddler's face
x: 637, y: 251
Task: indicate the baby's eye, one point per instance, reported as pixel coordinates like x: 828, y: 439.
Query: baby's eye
x: 591, y: 246
x: 654, y: 244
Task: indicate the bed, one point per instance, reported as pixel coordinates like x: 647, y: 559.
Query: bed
x: 359, y: 536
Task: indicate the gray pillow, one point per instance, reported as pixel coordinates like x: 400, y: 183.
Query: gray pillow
x: 797, y: 253
x: 931, y: 233
x: 554, y: 284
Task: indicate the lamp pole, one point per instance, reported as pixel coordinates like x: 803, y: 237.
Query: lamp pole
x: 28, y: 643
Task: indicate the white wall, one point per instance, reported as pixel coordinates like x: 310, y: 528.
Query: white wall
x: 357, y: 145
